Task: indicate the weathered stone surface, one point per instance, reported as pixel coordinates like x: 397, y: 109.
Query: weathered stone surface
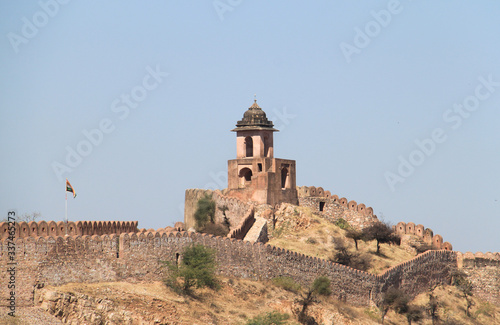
x: 258, y: 232
x: 484, y: 272
x: 332, y: 209
x: 136, y: 257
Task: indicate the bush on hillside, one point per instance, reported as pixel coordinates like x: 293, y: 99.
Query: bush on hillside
x: 196, y: 269
x: 286, y: 283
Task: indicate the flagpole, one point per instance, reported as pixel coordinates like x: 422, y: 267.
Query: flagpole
x: 66, y: 208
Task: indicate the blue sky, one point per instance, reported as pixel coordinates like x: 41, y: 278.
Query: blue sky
x: 393, y: 104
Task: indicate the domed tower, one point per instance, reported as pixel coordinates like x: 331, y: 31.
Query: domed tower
x: 255, y: 174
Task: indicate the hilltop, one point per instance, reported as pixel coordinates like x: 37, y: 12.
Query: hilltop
x: 296, y: 228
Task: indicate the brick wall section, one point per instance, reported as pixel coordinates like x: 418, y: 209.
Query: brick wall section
x: 237, y: 209
x: 484, y: 272
x: 137, y: 256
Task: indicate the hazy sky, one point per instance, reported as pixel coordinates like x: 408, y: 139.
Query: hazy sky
x: 394, y: 104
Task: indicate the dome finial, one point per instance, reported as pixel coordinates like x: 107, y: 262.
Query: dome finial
x: 255, y: 98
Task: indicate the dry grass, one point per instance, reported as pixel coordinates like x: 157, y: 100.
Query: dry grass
x: 240, y: 300
x: 452, y: 309
x: 305, y: 232
x: 237, y: 301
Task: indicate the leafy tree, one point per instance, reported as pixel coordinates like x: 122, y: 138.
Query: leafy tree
x: 459, y: 279
x: 205, y: 211
x: 381, y: 232
x: 197, y: 269
x: 205, y: 217
x: 355, y: 235
x: 273, y: 318
x: 320, y: 286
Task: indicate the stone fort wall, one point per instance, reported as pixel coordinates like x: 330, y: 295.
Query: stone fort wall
x: 236, y: 212
x: 321, y: 201
x: 135, y: 257
x: 425, y: 234
x: 484, y: 272
x: 80, y: 228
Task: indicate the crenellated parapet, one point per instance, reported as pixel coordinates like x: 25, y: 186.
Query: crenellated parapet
x: 316, y: 198
x: 132, y: 256
x: 479, y: 259
x: 71, y: 228
x: 50, y: 260
x: 426, y: 235
x: 319, y: 192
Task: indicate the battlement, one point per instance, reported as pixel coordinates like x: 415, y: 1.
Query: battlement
x: 316, y: 198
x: 60, y: 228
x: 55, y: 260
x: 312, y: 191
x: 470, y: 260
x: 426, y: 234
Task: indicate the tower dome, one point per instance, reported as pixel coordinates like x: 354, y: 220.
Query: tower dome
x: 254, y: 118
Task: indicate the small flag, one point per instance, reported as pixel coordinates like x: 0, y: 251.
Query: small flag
x: 69, y: 188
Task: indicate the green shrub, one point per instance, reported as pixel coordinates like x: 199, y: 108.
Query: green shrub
x: 273, y: 318
x: 286, y: 283
x: 197, y: 269
x: 342, y: 224
x: 205, y: 211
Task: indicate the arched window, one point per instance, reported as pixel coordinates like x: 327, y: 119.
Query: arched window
x: 249, y: 146
x: 284, y: 177
x: 245, y: 176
